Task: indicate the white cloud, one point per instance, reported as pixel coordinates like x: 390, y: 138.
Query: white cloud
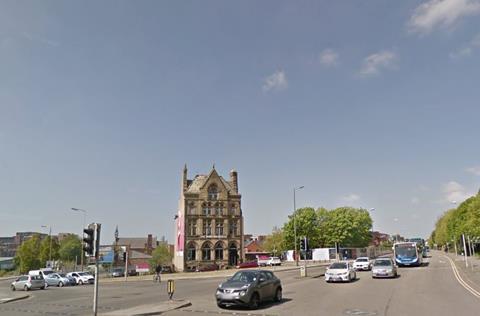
x: 456, y: 193
x: 329, y: 57
x: 415, y: 200
x: 351, y: 198
x: 467, y: 49
x: 475, y: 170
x: 373, y: 64
x: 276, y: 81
x: 441, y: 14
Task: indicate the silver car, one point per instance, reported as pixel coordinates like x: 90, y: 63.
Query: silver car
x: 28, y: 282
x: 249, y: 288
x: 54, y: 279
x: 384, y: 268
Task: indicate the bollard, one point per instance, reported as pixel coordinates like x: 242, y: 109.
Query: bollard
x: 170, y: 288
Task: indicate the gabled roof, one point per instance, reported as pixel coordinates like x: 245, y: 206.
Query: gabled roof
x: 137, y: 242
x: 197, y: 184
x: 139, y: 255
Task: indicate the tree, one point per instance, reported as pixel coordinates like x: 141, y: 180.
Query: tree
x: 70, y: 248
x: 275, y: 243
x: 27, y: 257
x: 45, y: 249
x: 161, y: 256
x: 347, y: 226
x: 305, y: 220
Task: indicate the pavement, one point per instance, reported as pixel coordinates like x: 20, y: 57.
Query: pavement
x: 7, y: 295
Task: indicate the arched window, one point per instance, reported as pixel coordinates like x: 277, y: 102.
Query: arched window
x: 191, y: 252
x: 219, y: 251
x: 212, y: 192
x: 206, y: 249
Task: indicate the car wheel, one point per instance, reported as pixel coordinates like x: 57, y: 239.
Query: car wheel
x: 349, y: 278
x: 278, y: 295
x: 220, y: 305
x: 25, y: 288
x: 254, y: 301
x: 12, y: 287
x: 80, y: 282
x: 60, y: 284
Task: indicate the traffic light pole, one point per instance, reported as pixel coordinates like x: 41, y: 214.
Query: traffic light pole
x: 96, y: 252
x: 305, y: 256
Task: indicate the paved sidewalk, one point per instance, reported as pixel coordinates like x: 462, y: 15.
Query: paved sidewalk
x: 470, y: 274
x: 150, y: 309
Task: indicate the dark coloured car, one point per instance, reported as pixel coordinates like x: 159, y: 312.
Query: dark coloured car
x: 249, y: 288
x: 207, y: 267
x: 248, y: 264
x: 71, y: 279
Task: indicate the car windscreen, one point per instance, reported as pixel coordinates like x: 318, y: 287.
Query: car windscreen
x: 47, y: 272
x: 338, y: 265
x: 82, y: 274
x: 382, y: 263
x: 244, y: 276
x: 362, y: 260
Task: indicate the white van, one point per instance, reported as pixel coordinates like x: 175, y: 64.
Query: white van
x: 42, y: 272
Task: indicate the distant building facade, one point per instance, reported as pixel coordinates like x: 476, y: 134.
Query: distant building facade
x: 209, y: 223
x: 9, y: 245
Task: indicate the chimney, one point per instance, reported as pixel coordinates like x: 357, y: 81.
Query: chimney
x: 234, y: 180
x: 184, y: 179
x: 149, y: 244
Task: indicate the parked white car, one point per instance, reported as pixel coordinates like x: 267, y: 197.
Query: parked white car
x: 274, y: 261
x: 340, y: 272
x: 82, y: 277
x: 362, y: 263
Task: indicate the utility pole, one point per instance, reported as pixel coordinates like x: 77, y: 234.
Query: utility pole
x: 295, y: 222
x: 465, y: 250
x: 126, y: 264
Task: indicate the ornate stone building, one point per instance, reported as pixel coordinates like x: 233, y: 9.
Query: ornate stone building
x: 209, y: 223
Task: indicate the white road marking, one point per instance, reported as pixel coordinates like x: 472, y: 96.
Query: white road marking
x: 461, y: 281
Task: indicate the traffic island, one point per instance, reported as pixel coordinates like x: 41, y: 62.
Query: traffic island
x: 150, y: 309
x: 13, y: 299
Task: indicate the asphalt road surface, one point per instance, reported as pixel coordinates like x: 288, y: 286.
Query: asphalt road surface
x: 428, y: 290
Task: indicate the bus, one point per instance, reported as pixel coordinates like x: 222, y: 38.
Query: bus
x: 420, y: 243
x: 407, y: 254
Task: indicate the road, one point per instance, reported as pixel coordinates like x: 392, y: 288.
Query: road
x: 428, y: 290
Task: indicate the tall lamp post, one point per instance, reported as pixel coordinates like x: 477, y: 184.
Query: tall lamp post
x: 81, y: 234
x: 295, y: 221
x: 50, y: 239
x: 373, y: 236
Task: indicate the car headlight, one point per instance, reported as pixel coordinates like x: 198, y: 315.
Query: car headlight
x: 245, y: 287
x: 344, y: 273
x: 242, y: 293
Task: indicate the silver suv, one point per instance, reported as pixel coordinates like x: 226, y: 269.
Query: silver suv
x: 28, y: 282
x: 249, y: 288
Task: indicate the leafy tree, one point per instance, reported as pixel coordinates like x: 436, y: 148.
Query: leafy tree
x: 348, y: 226
x: 275, y: 242
x: 305, y: 220
x: 45, y: 249
x: 27, y: 257
x: 70, y: 248
x: 161, y: 256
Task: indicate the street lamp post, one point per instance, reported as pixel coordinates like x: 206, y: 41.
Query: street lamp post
x: 373, y: 237
x: 295, y: 222
x: 50, y: 246
x: 81, y: 234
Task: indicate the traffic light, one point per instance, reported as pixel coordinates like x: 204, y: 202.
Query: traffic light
x: 303, y: 244
x: 89, y: 239
x: 125, y: 256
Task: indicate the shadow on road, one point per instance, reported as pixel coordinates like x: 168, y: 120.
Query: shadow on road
x: 264, y: 305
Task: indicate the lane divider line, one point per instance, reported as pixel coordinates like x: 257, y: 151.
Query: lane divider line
x: 461, y: 281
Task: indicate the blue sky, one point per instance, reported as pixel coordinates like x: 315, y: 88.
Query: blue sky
x: 366, y: 103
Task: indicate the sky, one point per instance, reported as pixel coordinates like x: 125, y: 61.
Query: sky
x: 369, y: 104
